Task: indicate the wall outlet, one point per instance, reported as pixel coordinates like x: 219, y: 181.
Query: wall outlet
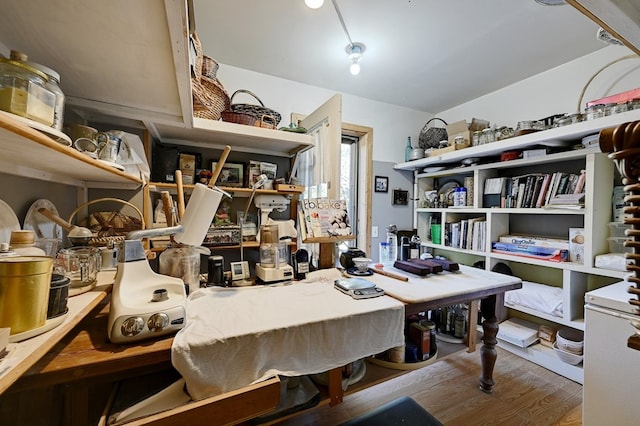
x: 374, y: 232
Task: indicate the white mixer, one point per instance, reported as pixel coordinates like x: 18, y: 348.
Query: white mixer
x: 144, y: 304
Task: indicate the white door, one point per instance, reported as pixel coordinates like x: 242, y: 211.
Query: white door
x: 319, y: 167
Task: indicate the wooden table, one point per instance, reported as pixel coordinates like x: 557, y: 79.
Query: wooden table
x: 85, y: 353
x: 445, y: 289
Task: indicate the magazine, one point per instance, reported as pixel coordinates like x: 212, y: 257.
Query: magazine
x: 324, y: 217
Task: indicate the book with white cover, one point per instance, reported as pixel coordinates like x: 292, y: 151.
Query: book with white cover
x: 518, y: 332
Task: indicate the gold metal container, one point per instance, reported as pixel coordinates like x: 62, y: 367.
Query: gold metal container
x: 24, y: 292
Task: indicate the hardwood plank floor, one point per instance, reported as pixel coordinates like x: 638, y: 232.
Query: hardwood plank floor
x: 524, y: 394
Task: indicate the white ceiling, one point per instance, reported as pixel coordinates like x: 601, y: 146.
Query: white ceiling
x: 428, y: 55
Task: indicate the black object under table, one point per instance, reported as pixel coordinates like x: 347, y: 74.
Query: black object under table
x: 402, y: 411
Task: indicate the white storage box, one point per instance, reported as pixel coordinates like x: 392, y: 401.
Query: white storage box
x: 518, y: 332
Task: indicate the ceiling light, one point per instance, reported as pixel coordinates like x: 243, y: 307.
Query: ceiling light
x: 355, y: 51
x: 314, y: 4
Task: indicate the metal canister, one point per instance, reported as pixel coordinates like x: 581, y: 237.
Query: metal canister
x: 24, y: 292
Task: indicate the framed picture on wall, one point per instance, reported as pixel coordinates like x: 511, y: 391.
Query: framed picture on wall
x: 400, y: 197
x: 382, y: 184
x: 232, y: 174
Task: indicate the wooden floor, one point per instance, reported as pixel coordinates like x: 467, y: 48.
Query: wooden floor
x: 524, y: 394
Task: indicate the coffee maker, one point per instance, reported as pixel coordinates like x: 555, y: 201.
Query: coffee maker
x: 273, y: 266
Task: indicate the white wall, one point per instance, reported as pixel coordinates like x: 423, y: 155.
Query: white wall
x: 555, y: 91
x: 391, y: 124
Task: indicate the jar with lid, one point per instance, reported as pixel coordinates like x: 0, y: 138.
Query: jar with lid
x: 489, y: 135
x: 23, y: 242
x: 475, y: 138
x: 595, y: 111
x: 23, y: 92
x: 52, y: 83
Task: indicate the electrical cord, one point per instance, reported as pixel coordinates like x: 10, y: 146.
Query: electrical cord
x: 584, y: 89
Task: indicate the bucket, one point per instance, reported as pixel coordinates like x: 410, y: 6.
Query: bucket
x: 24, y: 292
x: 58, y: 295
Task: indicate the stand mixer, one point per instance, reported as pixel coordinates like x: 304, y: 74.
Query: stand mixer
x: 146, y: 304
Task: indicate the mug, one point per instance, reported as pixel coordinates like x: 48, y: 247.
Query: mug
x: 108, y: 146
x: 86, y: 146
x: 77, y: 131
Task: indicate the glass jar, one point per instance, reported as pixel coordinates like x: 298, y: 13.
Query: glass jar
x: 595, y: 111
x: 489, y: 135
x: 52, y: 84
x: 475, y: 139
x: 182, y: 261
x: 23, y: 92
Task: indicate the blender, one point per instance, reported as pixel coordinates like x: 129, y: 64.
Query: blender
x: 273, y: 266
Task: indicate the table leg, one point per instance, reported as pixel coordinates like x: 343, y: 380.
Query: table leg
x: 488, y: 352
x: 472, y: 321
x: 335, y: 386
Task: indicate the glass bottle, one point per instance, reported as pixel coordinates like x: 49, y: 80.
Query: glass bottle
x: 407, y: 150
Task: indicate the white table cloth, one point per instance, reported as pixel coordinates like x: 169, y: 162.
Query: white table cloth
x: 238, y: 336
x: 441, y: 285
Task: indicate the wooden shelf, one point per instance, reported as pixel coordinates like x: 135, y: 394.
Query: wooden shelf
x: 22, y: 355
x: 158, y: 186
x: 28, y: 152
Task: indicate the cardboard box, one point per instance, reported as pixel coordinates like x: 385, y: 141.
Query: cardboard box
x: 420, y: 335
x: 457, y: 129
x: 576, y: 245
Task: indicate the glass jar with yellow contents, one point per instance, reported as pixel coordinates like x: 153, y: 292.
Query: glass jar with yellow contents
x: 23, y: 92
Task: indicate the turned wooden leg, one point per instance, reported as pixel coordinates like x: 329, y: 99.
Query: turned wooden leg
x: 488, y: 352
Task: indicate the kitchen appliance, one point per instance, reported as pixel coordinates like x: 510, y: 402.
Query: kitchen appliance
x: 144, y: 304
x: 268, y: 203
x: 610, y: 367
x: 273, y: 266
x: 347, y: 256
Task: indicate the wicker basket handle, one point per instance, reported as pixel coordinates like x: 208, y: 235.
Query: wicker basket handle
x: 117, y: 200
x: 434, y: 118
x: 248, y: 92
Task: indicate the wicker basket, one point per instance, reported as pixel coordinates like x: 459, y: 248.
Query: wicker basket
x: 265, y: 121
x: 209, y: 95
x: 259, y: 112
x: 430, y: 137
x: 109, y: 226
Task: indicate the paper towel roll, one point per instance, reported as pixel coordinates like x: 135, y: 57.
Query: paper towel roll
x: 199, y: 214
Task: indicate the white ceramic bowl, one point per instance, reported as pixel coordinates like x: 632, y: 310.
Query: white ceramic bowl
x: 568, y: 357
x: 362, y: 263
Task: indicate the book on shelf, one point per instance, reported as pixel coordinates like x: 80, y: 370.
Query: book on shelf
x: 535, y: 252
x: 567, y: 201
x: 324, y: 217
x: 494, y: 192
x: 535, y: 240
x: 536, y: 190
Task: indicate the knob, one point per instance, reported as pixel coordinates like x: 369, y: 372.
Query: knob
x: 160, y: 294
x: 132, y: 326
x: 157, y: 322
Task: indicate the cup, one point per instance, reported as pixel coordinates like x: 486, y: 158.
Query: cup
x: 436, y: 233
x: 86, y: 146
x: 108, y: 146
x: 77, y: 131
x: 80, y: 264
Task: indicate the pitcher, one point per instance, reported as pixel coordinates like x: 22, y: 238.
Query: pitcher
x: 108, y: 146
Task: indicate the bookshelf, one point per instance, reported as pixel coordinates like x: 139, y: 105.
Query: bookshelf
x: 593, y: 217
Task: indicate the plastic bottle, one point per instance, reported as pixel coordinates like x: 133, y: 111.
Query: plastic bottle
x: 407, y: 150
x: 392, y: 239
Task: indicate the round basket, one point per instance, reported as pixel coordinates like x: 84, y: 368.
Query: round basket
x: 110, y: 226
x: 209, y: 98
x: 257, y: 111
x: 430, y: 137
